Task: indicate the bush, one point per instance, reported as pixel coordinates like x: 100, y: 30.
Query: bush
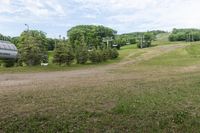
x: 105, y: 54
x: 81, y: 55
x: 8, y: 62
x: 96, y: 56
x: 32, y: 47
x: 31, y: 55
x: 63, y: 54
x: 113, y: 53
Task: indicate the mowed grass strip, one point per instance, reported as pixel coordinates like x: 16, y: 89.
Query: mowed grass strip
x: 168, y: 105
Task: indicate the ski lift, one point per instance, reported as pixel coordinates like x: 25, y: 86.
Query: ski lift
x: 8, y: 50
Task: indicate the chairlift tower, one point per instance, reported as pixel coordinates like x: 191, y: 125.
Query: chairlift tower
x: 142, y: 39
x: 192, y: 37
x: 107, y: 40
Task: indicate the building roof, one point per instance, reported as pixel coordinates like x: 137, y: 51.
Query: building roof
x: 5, y: 45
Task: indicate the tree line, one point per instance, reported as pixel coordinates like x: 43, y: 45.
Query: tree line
x: 188, y: 35
x: 139, y: 38
x: 85, y: 43
x: 50, y: 45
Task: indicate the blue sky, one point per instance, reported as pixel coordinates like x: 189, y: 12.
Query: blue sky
x: 55, y: 17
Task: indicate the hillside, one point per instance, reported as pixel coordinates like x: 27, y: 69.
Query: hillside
x: 147, y: 90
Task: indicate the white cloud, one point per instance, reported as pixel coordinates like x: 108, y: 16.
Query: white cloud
x: 4, y: 6
x: 38, y: 8
x: 123, y: 15
x: 90, y: 16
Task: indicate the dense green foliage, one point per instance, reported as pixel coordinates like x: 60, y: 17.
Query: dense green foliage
x: 7, y: 62
x: 105, y: 54
x: 63, y: 54
x: 32, y: 47
x: 188, y: 35
x: 51, y: 43
x: 87, y: 42
x: 97, y: 56
x: 5, y: 38
x: 14, y: 40
x: 113, y: 53
x: 131, y: 38
x: 90, y: 35
x: 81, y: 54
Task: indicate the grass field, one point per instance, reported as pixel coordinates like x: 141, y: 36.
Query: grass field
x: 149, y: 90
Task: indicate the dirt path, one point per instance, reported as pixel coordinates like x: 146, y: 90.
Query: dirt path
x: 71, y: 77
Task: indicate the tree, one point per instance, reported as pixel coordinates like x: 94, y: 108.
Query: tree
x: 5, y: 38
x: 121, y: 41
x: 96, y: 56
x: 51, y: 44
x: 63, y: 54
x: 185, y: 35
x: 113, y: 53
x: 93, y: 35
x: 81, y: 54
x: 105, y: 54
x: 32, y: 47
x: 15, y: 40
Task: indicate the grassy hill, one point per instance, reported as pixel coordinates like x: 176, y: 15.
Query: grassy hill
x: 154, y: 89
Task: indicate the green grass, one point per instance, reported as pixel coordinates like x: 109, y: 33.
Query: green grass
x: 152, y: 97
x: 163, y: 37
x: 50, y: 54
x: 181, y: 57
x: 168, y: 105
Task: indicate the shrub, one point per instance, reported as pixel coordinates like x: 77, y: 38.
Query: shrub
x: 45, y: 58
x: 105, y: 54
x: 63, y: 54
x: 113, y: 53
x: 8, y: 62
x: 31, y: 55
x: 96, y: 56
x: 32, y: 47
x: 81, y: 55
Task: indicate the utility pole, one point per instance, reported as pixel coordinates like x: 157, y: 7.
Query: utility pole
x: 142, y: 39
x: 192, y: 37
x: 188, y: 38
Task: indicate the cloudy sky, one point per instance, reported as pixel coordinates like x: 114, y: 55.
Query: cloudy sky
x: 55, y: 17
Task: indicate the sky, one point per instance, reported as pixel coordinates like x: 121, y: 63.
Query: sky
x: 55, y: 17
